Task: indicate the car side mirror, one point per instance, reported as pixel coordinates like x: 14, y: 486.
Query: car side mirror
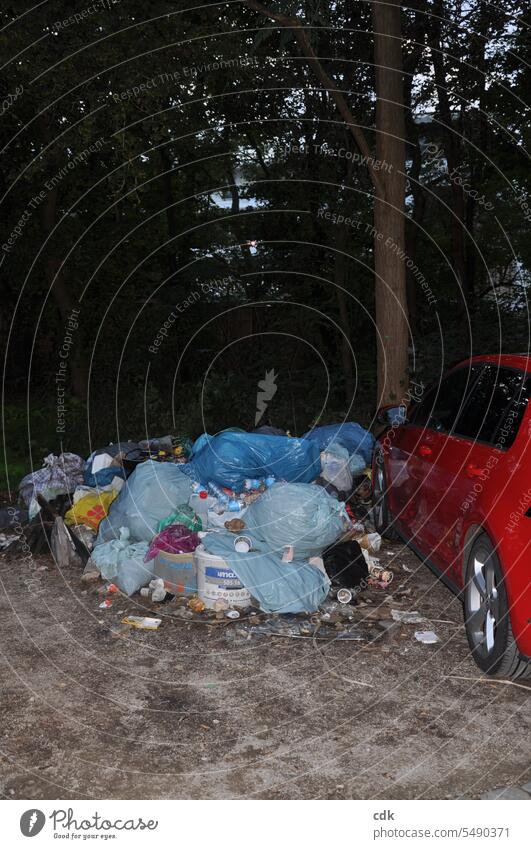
x: 392, y: 416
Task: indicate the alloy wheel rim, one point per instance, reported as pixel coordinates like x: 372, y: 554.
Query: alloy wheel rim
x: 483, y: 604
x: 379, y: 509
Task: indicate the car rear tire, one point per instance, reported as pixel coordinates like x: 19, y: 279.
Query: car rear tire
x: 487, y: 619
x: 380, y: 511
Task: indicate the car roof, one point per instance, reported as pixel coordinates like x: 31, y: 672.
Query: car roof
x: 519, y: 361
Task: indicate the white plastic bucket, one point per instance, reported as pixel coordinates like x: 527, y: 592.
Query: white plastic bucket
x: 216, y: 580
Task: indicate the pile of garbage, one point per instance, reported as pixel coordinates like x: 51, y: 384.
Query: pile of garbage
x: 226, y: 527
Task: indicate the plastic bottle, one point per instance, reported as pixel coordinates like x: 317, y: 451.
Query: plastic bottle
x: 235, y: 505
x: 224, y: 502
x: 216, y: 490
x: 251, y: 483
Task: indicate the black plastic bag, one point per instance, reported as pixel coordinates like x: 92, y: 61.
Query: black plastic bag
x: 345, y: 564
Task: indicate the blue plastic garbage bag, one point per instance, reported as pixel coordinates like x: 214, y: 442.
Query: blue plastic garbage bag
x: 302, y: 515
x: 353, y: 436
x: 151, y: 493
x: 229, y: 458
x: 278, y: 587
x: 122, y: 562
x: 103, y: 477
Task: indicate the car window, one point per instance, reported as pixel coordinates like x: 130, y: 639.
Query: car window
x: 496, y: 407
x: 442, y: 404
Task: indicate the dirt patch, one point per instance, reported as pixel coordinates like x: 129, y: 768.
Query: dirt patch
x: 191, y: 711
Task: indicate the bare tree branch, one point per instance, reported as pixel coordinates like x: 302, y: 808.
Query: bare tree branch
x: 295, y: 25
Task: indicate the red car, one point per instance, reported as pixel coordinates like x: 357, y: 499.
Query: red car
x: 452, y: 478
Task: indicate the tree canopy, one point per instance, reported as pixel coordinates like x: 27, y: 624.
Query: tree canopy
x: 185, y: 209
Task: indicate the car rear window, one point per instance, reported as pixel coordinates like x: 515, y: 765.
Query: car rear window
x: 496, y: 407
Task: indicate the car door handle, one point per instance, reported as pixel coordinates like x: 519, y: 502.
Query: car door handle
x: 425, y: 451
x: 473, y: 471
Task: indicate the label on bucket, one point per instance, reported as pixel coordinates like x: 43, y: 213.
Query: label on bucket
x: 222, y: 577
x: 220, y: 582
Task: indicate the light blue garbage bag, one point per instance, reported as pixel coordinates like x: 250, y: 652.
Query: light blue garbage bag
x: 151, y: 493
x: 122, y: 562
x: 278, y: 587
x: 350, y: 434
x: 298, y: 514
x: 229, y: 458
x: 356, y: 465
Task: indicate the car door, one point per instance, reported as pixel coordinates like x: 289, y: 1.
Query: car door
x: 401, y: 447
x: 415, y: 493
x: 468, y: 459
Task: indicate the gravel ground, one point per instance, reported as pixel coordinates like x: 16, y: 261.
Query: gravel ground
x: 191, y: 711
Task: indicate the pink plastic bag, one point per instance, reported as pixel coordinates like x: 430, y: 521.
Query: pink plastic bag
x: 175, y: 539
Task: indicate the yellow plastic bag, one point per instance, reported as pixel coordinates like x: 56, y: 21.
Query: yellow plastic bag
x: 90, y: 509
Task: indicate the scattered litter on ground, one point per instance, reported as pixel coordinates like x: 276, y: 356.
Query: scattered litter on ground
x: 196, y: 604
x: 145, y: 623
x: 344, y: 596
x: 407, y: 617
x: 427, y: 637
x: 7, y: 539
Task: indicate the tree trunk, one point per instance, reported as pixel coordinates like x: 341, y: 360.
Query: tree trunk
x: 389, y: 183
x: 415, y: 220
x: 171, y: 218
x: 389, y: 208
x: 340, y: 282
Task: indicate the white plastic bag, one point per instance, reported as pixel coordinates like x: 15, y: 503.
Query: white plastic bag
x: 336, y: 470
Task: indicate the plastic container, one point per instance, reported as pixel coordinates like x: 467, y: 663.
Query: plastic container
x: 243, y: 544
x: 216, y: 580
x: 201, y: 502
x: 178, y: 571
